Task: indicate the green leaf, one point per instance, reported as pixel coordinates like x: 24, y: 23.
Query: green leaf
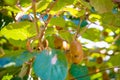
x: 12, y: 53
x: 9, y: 70
x: 102, y: 6
x: 86, y: 4
x: 117, y: 42
x: 42, y: 5
x: 111, y: 19
x: 23, y: 57
x: 50, y: 41
x: 115, y: 60
x: 60, y: 5
x: 66, y: 35
x: 70, y: 24
x: 16, y: 78
x: 79, y: 72
x: 19, y: 30
x: 18, y: 43
x: 4, y: 19
x: 7, y: 77
x: 13, y: 8
x: 10, y: 2
x: 57, y: 21
x: 18, y: 57
x: 25, y: 2
x: 50, y: 65
x: 50, y: 31
x: 92, y: 34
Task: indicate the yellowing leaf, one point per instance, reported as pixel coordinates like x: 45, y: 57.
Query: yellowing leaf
x: 109, y: 39
x: 94, y: 17
x: 60, y: 5
x: 42, y: 5
x: 74, y: 12
x: 102, y: 6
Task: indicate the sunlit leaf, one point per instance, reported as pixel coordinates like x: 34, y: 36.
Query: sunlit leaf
x: 75, y: 12
x: 94, y: 55
x: 12, y: 3
x: 60, y: 5
x: 42, y: 5
x: 51, y: 65
x: 25, y: 2
x: 96, y: 76
x: 94, y: 17
x: 109, y: 39
x: 99, y: 23
x: 13, y: 8
x: 19, y: 31
x: 7, y: 77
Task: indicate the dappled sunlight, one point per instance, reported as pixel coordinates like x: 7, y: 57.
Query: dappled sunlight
x: 59, y: 39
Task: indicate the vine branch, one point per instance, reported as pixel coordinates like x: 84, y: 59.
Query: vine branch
x: 40, y: 34
x: 43, y: 28
x: 116, y: 38
x: 29, y: 63
x: 35, y: 18
x: 50, y: 8
x: 78, y: 30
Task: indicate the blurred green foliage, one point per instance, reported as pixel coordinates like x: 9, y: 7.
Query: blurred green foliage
x: 97, y: 23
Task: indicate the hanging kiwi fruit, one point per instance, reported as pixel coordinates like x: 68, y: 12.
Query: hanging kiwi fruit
x: 105, y: 76
x: 73, y: 50
x: 45, y: 43
x: 99, y: 60
x: 76, y: 51
x: 58, y: 42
